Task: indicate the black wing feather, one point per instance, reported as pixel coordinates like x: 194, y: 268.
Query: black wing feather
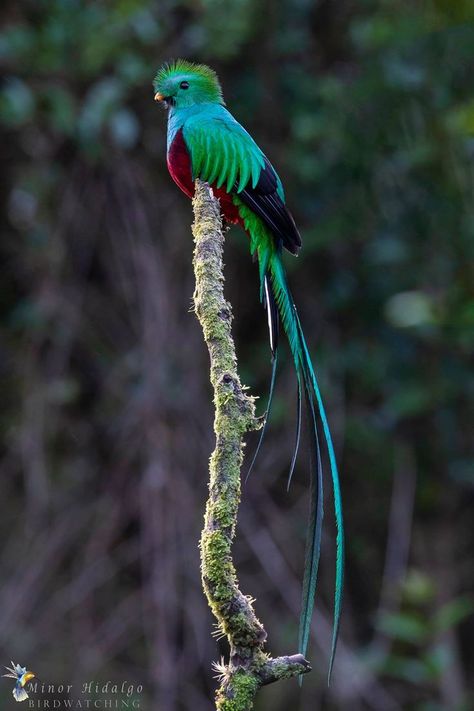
x: 264, y: 200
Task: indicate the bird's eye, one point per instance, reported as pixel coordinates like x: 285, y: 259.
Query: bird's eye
x: 184, y: 85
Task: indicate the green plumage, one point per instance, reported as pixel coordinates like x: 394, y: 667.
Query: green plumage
x: 269, y: 260
x: 219, y: 150
x: 222, y: 152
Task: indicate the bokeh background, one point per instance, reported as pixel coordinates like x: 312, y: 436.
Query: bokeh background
x: 367, y: 110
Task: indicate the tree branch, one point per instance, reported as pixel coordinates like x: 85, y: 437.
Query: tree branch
x: 249, y: 666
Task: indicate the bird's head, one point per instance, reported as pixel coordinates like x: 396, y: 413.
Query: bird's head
x: 182, y: 84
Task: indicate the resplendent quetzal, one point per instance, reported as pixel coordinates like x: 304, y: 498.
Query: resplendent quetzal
x: 205, y: 141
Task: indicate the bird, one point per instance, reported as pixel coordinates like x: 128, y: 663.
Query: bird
x: 22, y: 676
x: 205, y: 141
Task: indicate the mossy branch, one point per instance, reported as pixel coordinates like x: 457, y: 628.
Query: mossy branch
x: 249, y: 666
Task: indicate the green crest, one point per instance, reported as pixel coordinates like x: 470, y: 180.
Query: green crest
x: 185, y: 83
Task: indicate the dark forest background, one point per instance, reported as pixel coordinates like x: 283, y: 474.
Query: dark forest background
x: 367, y: 110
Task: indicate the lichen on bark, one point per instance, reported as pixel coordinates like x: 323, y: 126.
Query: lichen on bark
x: 249, y: 667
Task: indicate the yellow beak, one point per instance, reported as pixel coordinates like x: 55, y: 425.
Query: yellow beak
x: 159, y: 97
x: 27, y: 677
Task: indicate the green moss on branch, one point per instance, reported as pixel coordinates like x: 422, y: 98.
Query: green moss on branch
x: 249, y: 667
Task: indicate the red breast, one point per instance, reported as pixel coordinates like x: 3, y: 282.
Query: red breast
x: 179, y: 166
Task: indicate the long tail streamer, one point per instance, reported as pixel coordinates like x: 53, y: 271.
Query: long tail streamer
x: 307, y: 379
x: 274, y: 292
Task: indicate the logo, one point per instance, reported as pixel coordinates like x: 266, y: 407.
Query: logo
x: 89, y: 695
x: 22, y: 676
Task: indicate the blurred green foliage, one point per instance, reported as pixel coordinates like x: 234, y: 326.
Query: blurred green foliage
x: 420, y: 655
x: 367, y: 110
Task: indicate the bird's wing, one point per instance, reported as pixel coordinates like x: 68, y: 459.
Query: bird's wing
x: 223, y: 153
x: 267, y: 201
